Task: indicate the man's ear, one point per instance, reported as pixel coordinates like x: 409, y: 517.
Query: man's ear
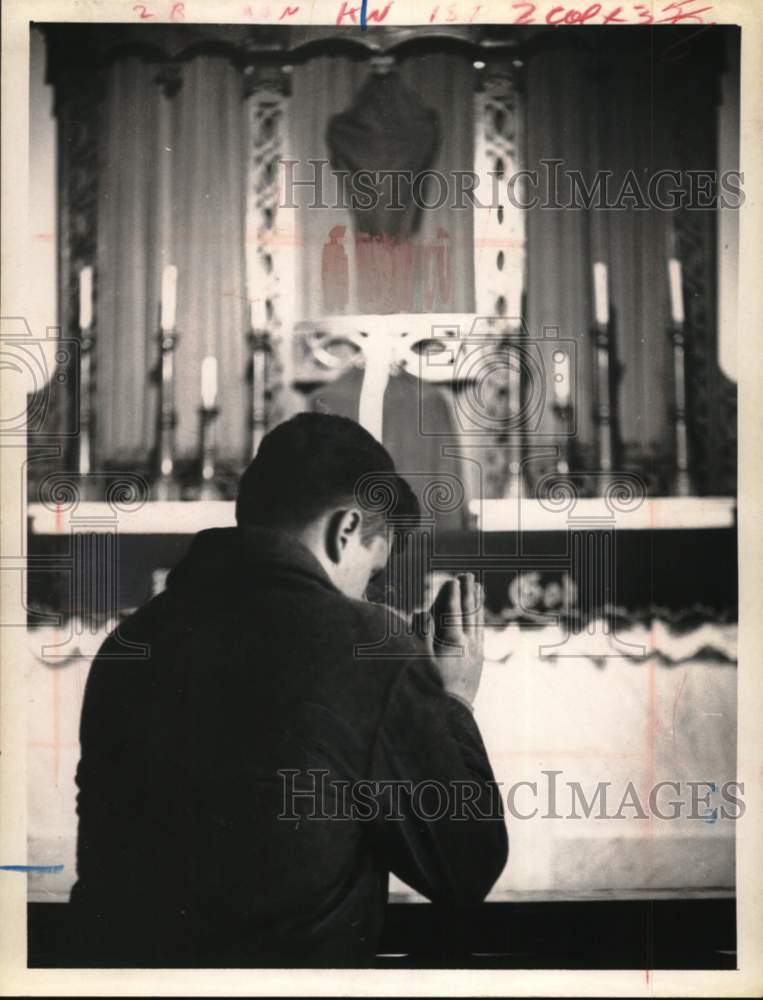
x: 341, y: 527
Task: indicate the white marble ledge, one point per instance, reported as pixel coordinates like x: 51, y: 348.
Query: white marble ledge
x: 649, y: 514
x: 173, y: 517
x: 188, y: 517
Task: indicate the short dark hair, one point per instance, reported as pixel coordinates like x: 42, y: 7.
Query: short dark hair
x: 316, y: 461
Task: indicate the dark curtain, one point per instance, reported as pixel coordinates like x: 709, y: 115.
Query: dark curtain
x: 630, y: 108
x: 171, y: 191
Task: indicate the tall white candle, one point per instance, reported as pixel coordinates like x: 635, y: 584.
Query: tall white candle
x: 676, y: 291
x: 600, y: 293
x: 209, y: 382
x: 86, y: 298
x: 561, y: 377
x: 169, y: 297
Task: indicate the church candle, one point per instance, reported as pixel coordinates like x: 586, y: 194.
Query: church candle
x: 169, y: 297
x: 676, y: 291
x: 85, y: 298
x: 209, y: 382
x: 600, y: 293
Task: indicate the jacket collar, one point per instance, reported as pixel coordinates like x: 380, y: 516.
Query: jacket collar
x: 220, y: 556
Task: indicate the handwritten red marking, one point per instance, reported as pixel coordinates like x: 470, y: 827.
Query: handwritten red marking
x: 613, y: 16
x: 142, y: 11
x: 674, y: 11
x: 572, y: 16
x: 288, y: 12
x: 681, y: 14
x: 178, y: 12
x: 347, y: 12
x: 526, y: 17
x: 378, y: 15
x: 351, y: 13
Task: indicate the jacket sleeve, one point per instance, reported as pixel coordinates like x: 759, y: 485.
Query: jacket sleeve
x: 439, y: 817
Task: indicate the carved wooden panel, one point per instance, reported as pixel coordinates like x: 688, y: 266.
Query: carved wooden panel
x: 268, y: 252
x: 499, y: 260
x: 78, y: 97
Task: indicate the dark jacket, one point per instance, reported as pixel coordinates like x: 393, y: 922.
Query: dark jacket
x: 239, y: 684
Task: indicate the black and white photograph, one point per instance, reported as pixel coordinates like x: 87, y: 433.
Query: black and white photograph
x: 371, y: 587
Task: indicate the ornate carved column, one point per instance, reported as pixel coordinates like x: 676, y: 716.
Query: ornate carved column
x: 499, y: 230
x: 499, y: 261
x: 78, y: 95
x: 270, y: 245
x: 711, y: 397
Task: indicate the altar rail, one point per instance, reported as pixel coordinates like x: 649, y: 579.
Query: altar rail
x: 183, y: 518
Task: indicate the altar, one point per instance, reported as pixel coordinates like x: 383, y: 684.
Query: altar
x: 553, y: 379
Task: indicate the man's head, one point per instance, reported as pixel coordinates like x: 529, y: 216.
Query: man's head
x: 327, y: 481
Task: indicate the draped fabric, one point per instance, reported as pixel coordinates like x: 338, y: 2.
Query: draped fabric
x: 171, y: 192
x: 325, y: 87
x: 604, y: 111
x: 636, y: 245
x: 385, y: 129
x: 558, y: 283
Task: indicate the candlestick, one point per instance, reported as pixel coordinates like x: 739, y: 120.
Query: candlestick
x: 515, y: 486
x: 258, y: 314
x: 603, y: 408
x: 676, y: 291
x: 562, y: 407
x: 561, y: 377
x: 169, y: 297
x: 564, y: 416
x: 605, y: 400
x: 86, y: 298
x: 165, y: 487
x: 682, y: 479
x: 84, y: 439
x: 208, y: 413
x: 259, y: 416
x: 600, y: 293
x: 209, y: 382
x: 209, y: 489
